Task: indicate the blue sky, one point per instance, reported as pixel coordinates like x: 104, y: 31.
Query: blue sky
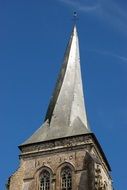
x: 33, y: 37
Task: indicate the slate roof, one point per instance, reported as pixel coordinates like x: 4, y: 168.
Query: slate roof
x: 66, y: 114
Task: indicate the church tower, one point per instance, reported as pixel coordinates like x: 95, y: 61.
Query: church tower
x: 63, y: 154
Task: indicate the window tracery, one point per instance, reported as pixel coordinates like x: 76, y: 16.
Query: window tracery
x: 66, y: 177
x: 45, y: 180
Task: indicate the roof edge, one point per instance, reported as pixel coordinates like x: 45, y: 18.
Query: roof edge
x: 92, y: 135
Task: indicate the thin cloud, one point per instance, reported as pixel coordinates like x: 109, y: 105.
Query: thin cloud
x: 122, y: 58
x: 107, y: 10
x: 88, y: 8
x: 115, y: 15
x: 82, y: 6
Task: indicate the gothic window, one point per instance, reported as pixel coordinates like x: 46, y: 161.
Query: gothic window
x: 45, y: 180
x: 66, y: 177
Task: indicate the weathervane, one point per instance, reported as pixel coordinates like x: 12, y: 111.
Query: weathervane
x: 75, y: 17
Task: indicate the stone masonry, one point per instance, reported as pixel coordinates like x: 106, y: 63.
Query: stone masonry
x: 81, y: 154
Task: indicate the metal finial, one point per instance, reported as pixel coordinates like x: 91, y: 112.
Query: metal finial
x: 75, y: 16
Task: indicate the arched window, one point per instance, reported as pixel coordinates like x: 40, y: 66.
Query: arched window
x: 45, y: 180
x: 66, y: 177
